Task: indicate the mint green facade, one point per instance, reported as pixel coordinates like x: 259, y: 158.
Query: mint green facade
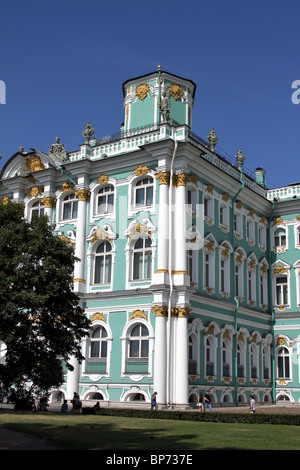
x: 189, y: 269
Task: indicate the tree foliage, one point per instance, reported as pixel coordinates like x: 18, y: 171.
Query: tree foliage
x: 41, y: 321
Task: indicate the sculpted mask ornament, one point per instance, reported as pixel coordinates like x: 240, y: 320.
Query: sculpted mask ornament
x: 58, y: 152
x: 142, y: 91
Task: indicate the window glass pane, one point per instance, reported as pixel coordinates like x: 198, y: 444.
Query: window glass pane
x: 144, y: 349
x: 149, y: 196
x: 103, y: 349
x: 134, y: 348
x: 95, y: 348
x: 139, y: 197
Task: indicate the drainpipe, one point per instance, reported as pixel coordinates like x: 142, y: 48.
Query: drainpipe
x: 159, y: 92
x: 232, y: 288
x: 270, y: 300
x: 61, y: 169
x: 170, y: 274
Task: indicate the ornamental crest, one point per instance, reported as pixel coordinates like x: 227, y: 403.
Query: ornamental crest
x: 142, y: 91
x: 34, y: 164
x: 176, y: 91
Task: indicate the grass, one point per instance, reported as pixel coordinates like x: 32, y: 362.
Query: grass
x: 86, y: 432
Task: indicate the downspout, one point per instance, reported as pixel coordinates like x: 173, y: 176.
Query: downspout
x: 232, y: 288
x: 159, y: 93
x: 170, y: 273
x: 270, y: 301
x: 61, y: 169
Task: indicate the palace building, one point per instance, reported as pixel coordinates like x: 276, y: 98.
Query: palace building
x: 189, y: 265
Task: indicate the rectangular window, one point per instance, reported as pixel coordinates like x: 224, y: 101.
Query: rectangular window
x: 281, y: 290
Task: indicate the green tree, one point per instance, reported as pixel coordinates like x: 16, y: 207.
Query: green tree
x: 41, y: 321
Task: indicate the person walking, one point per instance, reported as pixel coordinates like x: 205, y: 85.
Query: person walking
x: 200, y: 402
x: 153, y: 401
x: 207, y: 400
x: 252, y: 404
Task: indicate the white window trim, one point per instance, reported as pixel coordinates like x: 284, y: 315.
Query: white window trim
x: 209, y: 248
x: 132, y: 181
x: 263, y: 268
x: 251, y: 268
x: 296, y: 267
x: 94, y: 188
x: 225, y: 252
x: 86, y: 345
x: 289, y: 349
x: 281, y: 248
x: 125, y: 344
x: 239, y: 258
x: 286, y: 271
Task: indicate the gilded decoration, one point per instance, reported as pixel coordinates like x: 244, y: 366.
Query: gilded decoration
x: 66, y: 240
x: 140, y: 229
x: 209, y: 188
x: 102, y: 179
x: 138, y: 314
x: 67, y: 186
x: 160, y: 311
x: 34, y: 163
x: 251, y: 213
x: 281, y: 341
x: 5, y: 200
x: 239, y: 205
x: 48, y: 201
x: 239, y: 258
x: 241, y: 338
x: 142, y: 91
x: 163, y: 177
x: 226, y: 335
x: 298, y: 218
x: 98, y: 316
x: 176, y: 91
x: 278, y: 221
x: 100, y: 234
x: 83, y: 195
x: 35, y: 191
x: 280, y: 270
x: 252, y: 264
x: 141, y: 170
x: 225, y: 197
x: 210, y: 246
x: 225, y: 251
x: 263, y: 268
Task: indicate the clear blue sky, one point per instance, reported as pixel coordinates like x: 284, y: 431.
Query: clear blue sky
x: 64, y: 62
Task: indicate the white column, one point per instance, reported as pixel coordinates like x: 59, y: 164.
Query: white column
x: 182, y: 355
x: 161, y: 274
x: 79, y: 280
x: 48, y: 202
x: 180, y: 255
x: 160, y: 353
x: 72, y: 379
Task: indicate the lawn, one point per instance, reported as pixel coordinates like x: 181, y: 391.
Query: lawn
x: 110, y: 433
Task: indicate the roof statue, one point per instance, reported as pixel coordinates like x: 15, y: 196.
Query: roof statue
x: 165, y: 108
x: 88, y: 132
x: 212, y: 139
x: 58, y: 152
x: 240, y: 158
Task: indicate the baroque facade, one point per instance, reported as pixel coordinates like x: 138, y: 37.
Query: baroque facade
x: 189, y: 266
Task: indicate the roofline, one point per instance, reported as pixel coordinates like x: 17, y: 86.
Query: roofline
x: 156, y: 73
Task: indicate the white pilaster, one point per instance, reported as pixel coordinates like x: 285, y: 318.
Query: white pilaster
x: 79, y: 275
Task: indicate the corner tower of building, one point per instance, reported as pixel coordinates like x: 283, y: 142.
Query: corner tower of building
x: 158, y: 97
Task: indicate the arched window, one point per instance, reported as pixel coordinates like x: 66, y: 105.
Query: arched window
x: 226, y: 358
x: 96, y: 361
x: 103, y: 264
x: 283, y: 363
x: 253, y: 361
x: 70, y: 207
x: 37, y: 209
x: 209, y: 357
x: 105, y: 200
x: 142, y: 259
x: 143, y: 192
x: 98, y: 344
x: 138, y: 342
